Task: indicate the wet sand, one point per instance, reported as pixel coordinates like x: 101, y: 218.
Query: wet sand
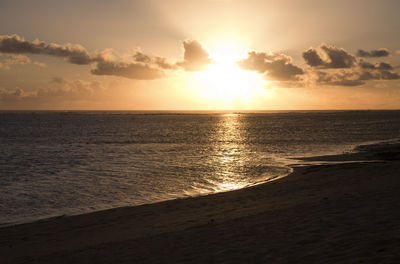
x: 341, y: 213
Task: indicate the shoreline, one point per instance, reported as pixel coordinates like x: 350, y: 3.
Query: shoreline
x: 332, y: 157
x: 30, y: 220
x: 307, y: 203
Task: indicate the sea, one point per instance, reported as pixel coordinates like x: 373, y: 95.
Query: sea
x: 55, y: 163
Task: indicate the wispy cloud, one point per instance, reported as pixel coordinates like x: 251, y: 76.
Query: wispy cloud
x: 59, y: 90
x: 13, y: 59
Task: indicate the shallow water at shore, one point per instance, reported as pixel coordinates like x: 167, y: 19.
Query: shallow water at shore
x: 318, y: 214
x: 70, y: 163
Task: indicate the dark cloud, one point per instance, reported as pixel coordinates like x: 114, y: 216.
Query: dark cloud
x: 339, y: 78
x: 16, y: 44
x: 312, y: 58
x: 329, y: 65
x: 137, y: 60
x: 388, y: 75
x: 132, y: 70
x: 159, y: 62
x: 354, y: 77
x: 373, y: 53
x: 141, y: 57
x: 378, y: 75
x: 140, y: 66
x: 335, y: 66
x: 376, y: 66
x: 384, y: 66
x: 275, y: 66
x: 195, y: 57
x: 367, y: 65
x: 332, y: 57
x: 74, y: 53
x: 338, y: 57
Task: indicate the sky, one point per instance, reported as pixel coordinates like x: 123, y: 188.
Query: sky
x: 199, y: 55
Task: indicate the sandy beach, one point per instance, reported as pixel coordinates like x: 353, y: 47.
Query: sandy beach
x: 331, y: 213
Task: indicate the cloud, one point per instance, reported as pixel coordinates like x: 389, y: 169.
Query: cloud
x: 141, y: 57
x: 275, y: 66
x: 139, y: 66
x: 156, y: 62
x: 16, y: 44
x: 62, y: 93
x: 330, y: 65
x: 312, y: 58
x: 131, y: 70
x: 377, y: 66
x: 339, y: 78
x: 7, y: 60
x: 74, y: 53
x: 164, y: 64
x: 329, y: 57
x: 373, y: 53
x: 337, y: 57
x: 11, y: 96
x: 380, y: 75
x: 40, y: 64
x: 61, y: 90
x: 13, y: 59
x: 58, y: 80
x: 352, y: 77
x: 195, y: 57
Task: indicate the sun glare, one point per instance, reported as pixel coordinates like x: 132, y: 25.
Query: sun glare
x: 224, y: 81
x: 227, y: 51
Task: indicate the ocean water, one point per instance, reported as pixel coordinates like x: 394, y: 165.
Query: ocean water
x: 55, y: 163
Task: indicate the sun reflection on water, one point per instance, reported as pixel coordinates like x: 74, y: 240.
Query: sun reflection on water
x: 232, y: 160
x: 230, y: 156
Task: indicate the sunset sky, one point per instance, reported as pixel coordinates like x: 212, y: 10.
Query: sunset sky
x: 199, y: 55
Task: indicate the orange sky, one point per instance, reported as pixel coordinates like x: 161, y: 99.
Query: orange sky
x: 199, y: 55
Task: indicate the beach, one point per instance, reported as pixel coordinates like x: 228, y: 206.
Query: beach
x: 199, y: 132
x: 325, y: 213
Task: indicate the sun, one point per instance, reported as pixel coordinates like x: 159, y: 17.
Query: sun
x: 228, y: 82
x: 224, y: 81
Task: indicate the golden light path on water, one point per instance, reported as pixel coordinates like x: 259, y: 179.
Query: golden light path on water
x: 229, y: 157
x: 236, y: 163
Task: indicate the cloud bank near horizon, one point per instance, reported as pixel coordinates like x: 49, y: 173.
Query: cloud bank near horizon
x: 330, y: 65
x: 325, y: 64
x: 138, y: 66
